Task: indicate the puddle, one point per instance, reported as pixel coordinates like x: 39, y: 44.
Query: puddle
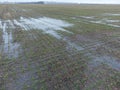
x: 43, y: 24
x: 97, y: 60
x: 47, y: 25
x: 11, y: 24
x: 111, y: 14
x: 19, y: 24
x: 24, y: 10
x: 10, y: 48
x: 107, y: 22
x: 53, y: 33
x: 112, y: 21
x: 77, y: 47
x: 87, y: 17
x: 84, y: 17
x: 116, y: 26
x: 21, y: 81
x: 109, y: 60
x: 72, y: 45
x: 103, y: 21
x: 1, y: 24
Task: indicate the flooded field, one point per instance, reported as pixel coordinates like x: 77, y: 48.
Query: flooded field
x: 59, y: 47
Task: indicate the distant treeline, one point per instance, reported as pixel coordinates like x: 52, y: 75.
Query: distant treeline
x: 41, y: 2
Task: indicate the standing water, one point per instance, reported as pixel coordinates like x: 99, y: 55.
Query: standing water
x: 10, y: 48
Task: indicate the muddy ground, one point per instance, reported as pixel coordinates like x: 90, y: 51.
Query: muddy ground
x: 44, y: 47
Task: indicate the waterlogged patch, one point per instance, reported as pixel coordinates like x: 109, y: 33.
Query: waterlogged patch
x: 19, y: 24
x: 0, y: 24
x: 112, y: 21
x: 104, y: 21
x: 47, y: 25
x: 24, y: 10
x: 110, y: 61
x: 72, y: 45
x: 10, y: 49
x: 88, y: 17
x: 111, y: 14
x: 44, y: 23
x: 53, y: 33
x: 107, y: 22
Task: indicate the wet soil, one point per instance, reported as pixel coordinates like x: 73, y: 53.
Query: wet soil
x: 35, y: 55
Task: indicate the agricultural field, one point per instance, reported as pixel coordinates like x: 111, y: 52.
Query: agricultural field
x: 59, y: 47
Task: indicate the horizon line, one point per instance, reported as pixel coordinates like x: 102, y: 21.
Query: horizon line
x: 56, y: 2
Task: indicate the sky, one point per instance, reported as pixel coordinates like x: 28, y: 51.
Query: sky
x: 75, y: 1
